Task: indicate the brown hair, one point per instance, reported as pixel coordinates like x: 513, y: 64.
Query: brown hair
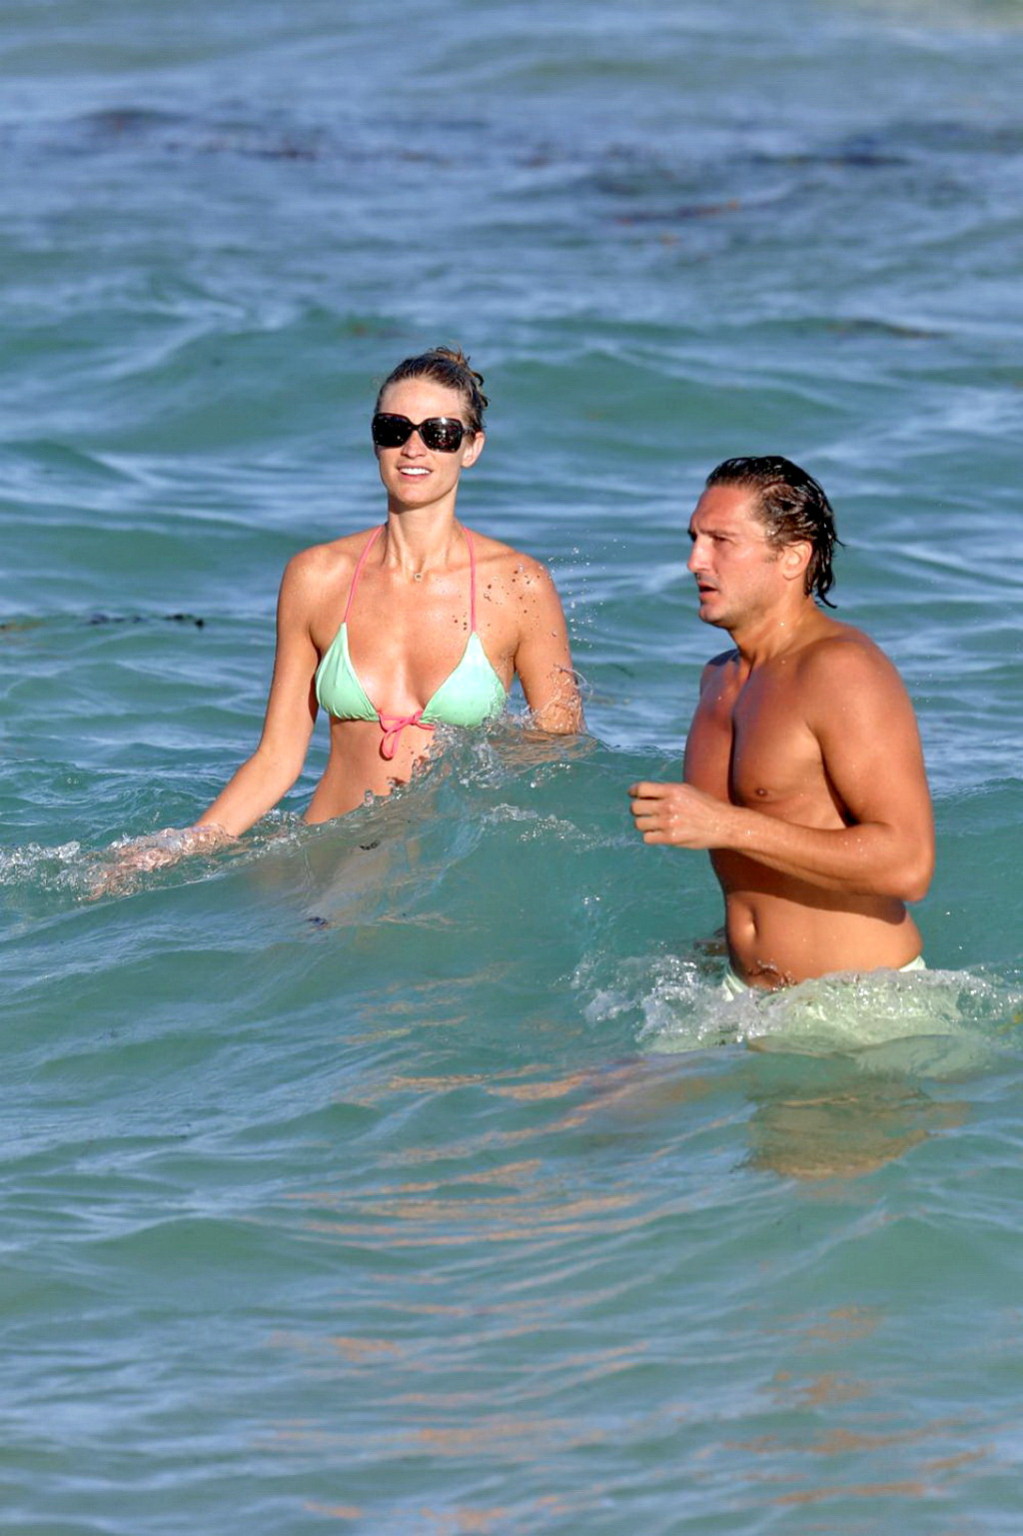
x: 448, y: 366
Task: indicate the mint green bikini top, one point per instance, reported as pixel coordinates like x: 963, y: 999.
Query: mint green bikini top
x: 470, y: 694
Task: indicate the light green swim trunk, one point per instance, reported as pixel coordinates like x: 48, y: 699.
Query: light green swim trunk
x: 733, y: 986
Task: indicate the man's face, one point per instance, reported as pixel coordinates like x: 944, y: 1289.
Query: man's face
x: 738, y: 574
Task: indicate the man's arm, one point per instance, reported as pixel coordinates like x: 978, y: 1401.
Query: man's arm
x: 862, y: 718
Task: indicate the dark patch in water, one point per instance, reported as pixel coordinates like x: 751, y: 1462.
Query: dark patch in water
x: 857, y: 159
x: 139, y: 618
x: 126, y: 122
x: 177, y: 134
x: 684, y: 211
x: 869, y: 327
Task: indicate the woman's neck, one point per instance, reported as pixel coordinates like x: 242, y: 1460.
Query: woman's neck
x: 418, y: 541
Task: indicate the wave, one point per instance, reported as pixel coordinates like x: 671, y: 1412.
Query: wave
x: 514, y: 879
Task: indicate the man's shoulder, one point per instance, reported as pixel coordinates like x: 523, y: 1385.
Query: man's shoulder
x: 843, y: 672
x: 717, y: 676
x: 719, y: 663
x: 838, y: 646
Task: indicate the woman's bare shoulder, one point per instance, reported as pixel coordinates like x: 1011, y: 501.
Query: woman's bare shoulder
x: 518, y: 592
x: 512, y: 568
x: 326, y: 562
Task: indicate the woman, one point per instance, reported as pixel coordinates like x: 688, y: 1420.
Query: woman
x: 398, y: 628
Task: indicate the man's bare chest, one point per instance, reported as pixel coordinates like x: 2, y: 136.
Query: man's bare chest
x: 750, y: 742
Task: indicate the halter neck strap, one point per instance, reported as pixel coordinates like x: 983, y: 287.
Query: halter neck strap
x: 365, y: 555
x: 472, y: 582
x: 358, y: 569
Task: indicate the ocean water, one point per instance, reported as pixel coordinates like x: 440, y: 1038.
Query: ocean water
x: 407, y: 1174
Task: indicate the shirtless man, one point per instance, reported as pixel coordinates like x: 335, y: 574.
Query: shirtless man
x: 804, y: 776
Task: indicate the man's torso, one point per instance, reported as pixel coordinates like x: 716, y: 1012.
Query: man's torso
x: 752, y: 743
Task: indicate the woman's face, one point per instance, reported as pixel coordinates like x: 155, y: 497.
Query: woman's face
x: 414, y: 474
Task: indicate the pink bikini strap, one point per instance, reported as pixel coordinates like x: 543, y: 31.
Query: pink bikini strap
x: 472, y: 583
x: 358, y: 569
x: 392, y: 727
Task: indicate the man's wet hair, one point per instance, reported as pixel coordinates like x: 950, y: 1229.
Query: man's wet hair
x: 792, y: 507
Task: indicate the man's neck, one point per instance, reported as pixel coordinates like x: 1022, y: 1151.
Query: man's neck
x: 773, y: 635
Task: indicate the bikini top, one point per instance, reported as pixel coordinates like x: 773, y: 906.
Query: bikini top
x: 470, y: 694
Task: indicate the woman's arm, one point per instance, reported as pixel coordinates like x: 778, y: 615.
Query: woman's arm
x: 272, y: 769
x: 275, y: 765
x: 543, y: 659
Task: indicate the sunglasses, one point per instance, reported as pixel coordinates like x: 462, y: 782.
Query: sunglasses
x: 442, y: 434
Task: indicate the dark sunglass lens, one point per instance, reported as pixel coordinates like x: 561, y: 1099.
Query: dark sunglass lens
x: 443, y: 434
x: 391, y: 431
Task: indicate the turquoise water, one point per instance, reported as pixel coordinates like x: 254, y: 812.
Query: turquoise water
x: 408, y: 1174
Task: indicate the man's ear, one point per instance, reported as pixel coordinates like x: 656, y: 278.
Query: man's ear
x: 795, y: 558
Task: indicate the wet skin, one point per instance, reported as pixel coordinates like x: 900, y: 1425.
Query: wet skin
x: 803, y: 773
